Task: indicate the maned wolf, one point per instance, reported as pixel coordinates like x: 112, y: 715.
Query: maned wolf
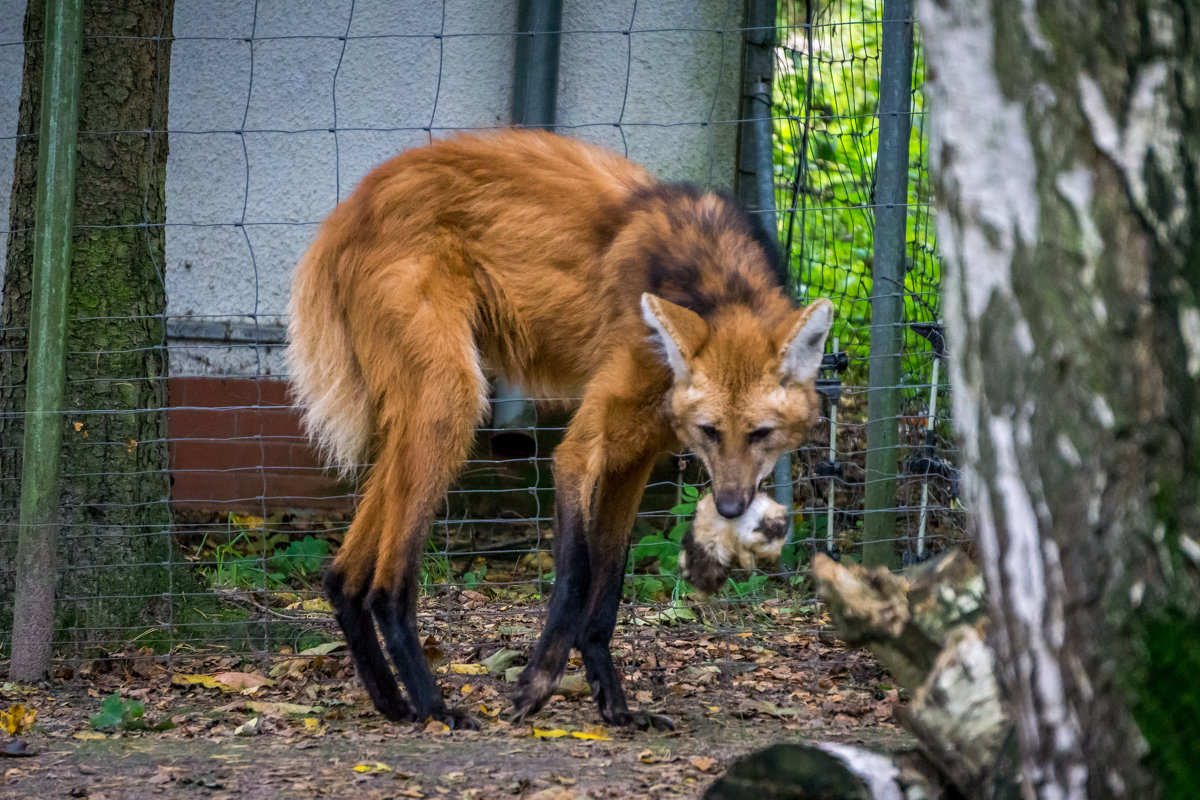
x: 574, y: 273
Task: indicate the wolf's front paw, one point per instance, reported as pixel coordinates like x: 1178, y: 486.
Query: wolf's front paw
x: 456, y: 719
x: 642, y: 720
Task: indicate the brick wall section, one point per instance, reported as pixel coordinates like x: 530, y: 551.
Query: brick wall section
x: 236, y: 445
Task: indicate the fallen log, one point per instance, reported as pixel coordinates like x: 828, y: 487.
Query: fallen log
x: 927, y: 627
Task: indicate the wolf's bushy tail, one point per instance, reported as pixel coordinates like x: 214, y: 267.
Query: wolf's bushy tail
x: 326, y: 379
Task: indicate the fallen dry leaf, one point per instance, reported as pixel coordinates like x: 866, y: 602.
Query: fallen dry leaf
x: 469, y: 669
x: 242, y: 681
x: 551, y: 734
x: 598, y: 733
x: 17, y: 719
x: 702, y: 763
x: 248, y: 728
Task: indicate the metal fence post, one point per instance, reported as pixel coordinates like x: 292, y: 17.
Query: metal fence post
x: 535, y: 98
x: 756, y: 164
x: 37, y: 537
x: 887, y: 294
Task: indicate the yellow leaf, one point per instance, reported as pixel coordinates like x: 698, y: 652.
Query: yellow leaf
x: 312, y: 724
x: 279, y: 709
x: 467, y: 688
x: 372, y: 767
x: 242, y: 681
x: 17, y: 719
x: 315, y: 604
x: 225, y: 681
x: 436, y: 726
x: 184, y: 679
x: 91, y: 735
x: 469, y: 669
x: 593, y: 733
x: 247, y: 522
x: 554, y: 734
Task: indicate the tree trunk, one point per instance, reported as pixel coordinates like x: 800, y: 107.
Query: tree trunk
x: 115, y: 490
x: 1066, y: 147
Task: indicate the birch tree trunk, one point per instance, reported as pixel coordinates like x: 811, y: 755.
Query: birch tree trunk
x: 1066, y: 147
x: 114, y: 536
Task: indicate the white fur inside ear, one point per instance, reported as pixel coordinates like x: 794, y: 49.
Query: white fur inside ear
x: 674, y: 356
x: 802, y: 356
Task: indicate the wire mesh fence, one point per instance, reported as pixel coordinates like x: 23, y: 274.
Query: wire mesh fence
x: 199, y: 522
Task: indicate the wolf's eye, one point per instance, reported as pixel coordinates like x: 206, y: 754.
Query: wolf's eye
x: 758, y: 434
x: 711, y: 433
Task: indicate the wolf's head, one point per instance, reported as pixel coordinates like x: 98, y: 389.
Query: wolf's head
x: 743, y: 387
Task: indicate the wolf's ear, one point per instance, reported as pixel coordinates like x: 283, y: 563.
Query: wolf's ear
x: 681, y: 331
x: 804, y: 346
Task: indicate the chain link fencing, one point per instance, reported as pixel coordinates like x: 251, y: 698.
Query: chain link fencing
x: 274, y: 114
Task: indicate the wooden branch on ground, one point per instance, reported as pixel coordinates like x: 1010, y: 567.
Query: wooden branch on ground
x: 927, y: 629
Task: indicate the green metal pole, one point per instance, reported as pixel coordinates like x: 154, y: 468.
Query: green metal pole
x: 535, y: 101
x: 535, y: 69
x: 887, y: 293
x: 756, y: 168
x: 33, y: 610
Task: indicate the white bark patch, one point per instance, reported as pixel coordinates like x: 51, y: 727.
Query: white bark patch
x: 1066, y: 449
x: 1190, y: 548
x: 1103, y: 412
x: 1076, y: 188
x: 878, y: 772
x: 1033, y: 30
x: 1027, y: 596
x: 1189, y: 326
x: 960, y: 700
x: 1146, y: 128
x: 984, y: 153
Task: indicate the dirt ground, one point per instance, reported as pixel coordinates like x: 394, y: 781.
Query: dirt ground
x: 299, y: 726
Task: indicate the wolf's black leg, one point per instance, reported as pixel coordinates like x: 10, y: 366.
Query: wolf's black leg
x: 396, y: 613
x: 564, y: 617
x: 372, y: 668
x: 608, y: 547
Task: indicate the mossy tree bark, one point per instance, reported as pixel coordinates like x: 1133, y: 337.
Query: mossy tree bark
x: 114, y: 508
x: 1066, y: 147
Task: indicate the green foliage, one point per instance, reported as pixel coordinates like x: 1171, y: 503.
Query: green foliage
x: 118, y: 713
x: 301, y: 560
x: 663, y: 549
x: 658, y: 553
x: 826, y: 180
x: 1165, y: 699
x: 240, y: 563
x: 127, y: 715
x: 474, y: 578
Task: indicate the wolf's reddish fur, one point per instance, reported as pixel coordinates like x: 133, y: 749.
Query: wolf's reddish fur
x: 572, y: 272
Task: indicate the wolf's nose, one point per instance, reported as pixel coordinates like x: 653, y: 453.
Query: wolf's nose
x: 730, y: 504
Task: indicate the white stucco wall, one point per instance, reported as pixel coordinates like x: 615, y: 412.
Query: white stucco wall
x: 12, y: 54
x: 254, y: 164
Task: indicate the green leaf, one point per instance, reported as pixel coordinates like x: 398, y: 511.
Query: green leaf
x: 116, y: 712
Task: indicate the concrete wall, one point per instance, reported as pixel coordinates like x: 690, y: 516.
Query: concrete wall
x: 267, y: 135
x: 663, y: 97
